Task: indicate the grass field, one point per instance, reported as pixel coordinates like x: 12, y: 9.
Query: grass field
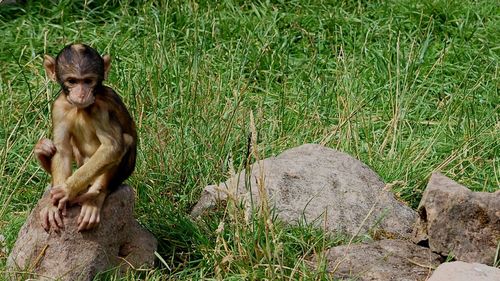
x: 408, y: 87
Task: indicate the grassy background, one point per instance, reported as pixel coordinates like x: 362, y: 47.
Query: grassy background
x: 408, y: 87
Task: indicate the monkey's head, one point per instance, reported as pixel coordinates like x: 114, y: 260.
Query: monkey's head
x: 80, y: 70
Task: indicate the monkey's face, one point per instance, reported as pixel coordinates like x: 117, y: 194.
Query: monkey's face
x: 80, y: 70
x: 79, y: 90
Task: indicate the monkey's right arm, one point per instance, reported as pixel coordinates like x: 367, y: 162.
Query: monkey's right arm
x: 60, y: 169
x: 61, y: 162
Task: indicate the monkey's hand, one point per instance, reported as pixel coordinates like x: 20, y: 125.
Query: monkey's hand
x: 60, y: 196
x: 51, y: 218
x: 90, y: 214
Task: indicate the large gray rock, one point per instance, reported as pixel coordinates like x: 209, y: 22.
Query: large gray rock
x: 462, y: 271
x: 321, y: 185
x: 382, y: 260
x: 454, y: 220
x: 71, y: 255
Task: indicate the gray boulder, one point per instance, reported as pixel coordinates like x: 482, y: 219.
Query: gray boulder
x: 462, y: 271
x: 454, y: 220
x: 118, y: 241
x: 382, y: 260
x: 322, y: 185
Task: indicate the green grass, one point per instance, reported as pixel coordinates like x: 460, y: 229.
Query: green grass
x: 408, y: 87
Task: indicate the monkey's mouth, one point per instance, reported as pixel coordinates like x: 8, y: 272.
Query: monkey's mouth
x: 82, y: 103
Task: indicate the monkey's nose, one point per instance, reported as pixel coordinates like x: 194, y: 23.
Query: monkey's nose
x: 82, y: 97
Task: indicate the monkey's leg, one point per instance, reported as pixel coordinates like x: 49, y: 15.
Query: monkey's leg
x: 50, y: 215
x: 80, y: 160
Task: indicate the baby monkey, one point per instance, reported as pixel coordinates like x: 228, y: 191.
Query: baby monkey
x: 92, y: 127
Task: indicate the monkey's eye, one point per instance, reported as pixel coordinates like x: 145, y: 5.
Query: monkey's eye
x: 71, y: 81
x: 87, y: 81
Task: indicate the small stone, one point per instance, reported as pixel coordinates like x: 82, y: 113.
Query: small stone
x: 382, y: 260
x: 462, y: 271
x: 458, y: 222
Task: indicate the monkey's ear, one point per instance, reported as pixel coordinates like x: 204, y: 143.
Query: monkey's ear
x: 107, y: 65
x: 49, y: 63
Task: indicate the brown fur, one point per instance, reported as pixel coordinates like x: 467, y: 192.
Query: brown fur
x: 92, y: 127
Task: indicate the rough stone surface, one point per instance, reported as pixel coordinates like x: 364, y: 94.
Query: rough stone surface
x: 382, y: 260
x: 311, y: 182
x: 462, y: 271
x: 454, y: 220
x: 70, y: 255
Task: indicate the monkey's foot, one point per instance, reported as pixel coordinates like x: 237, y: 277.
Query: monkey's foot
x: 90, y: 216
x: 51, y: 218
